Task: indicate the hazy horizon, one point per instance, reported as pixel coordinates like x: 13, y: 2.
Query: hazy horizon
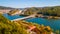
x: 29, y: 3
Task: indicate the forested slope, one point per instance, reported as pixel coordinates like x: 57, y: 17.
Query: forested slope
x: 50, y: 11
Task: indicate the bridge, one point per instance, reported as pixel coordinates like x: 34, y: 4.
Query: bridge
x: 31, y: 16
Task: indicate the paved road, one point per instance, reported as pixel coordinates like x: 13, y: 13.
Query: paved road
x: 31, y: 16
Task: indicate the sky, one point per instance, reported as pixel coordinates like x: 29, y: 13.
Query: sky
x: 29, y: 3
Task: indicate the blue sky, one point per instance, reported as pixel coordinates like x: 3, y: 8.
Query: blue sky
x: 29, y: 3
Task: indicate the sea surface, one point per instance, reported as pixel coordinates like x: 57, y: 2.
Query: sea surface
x: 53, y: 23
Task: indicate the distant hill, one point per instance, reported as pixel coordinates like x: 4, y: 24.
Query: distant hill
x: 3, y: 7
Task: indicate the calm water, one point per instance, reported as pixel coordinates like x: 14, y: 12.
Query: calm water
x: 12, y: 17
x: 53, y: 23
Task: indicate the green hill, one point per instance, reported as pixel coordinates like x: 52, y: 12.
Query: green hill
x: 50, y: 11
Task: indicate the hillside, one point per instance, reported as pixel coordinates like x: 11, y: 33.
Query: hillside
x: 50, y: 11
x: 22, y: 27
x: 8, y: 27
x: 14, y: 12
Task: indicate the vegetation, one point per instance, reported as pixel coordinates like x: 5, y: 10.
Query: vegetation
x: 8, y: 27
x: 50, y: 11
x: 18, y: 27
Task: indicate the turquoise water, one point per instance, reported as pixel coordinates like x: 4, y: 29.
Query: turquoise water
x: 12, y: 17
x: 53, y: 23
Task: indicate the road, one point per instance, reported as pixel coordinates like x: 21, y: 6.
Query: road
x: 31, y: 16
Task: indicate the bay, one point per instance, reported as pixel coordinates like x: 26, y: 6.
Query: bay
x: 53, y: 23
